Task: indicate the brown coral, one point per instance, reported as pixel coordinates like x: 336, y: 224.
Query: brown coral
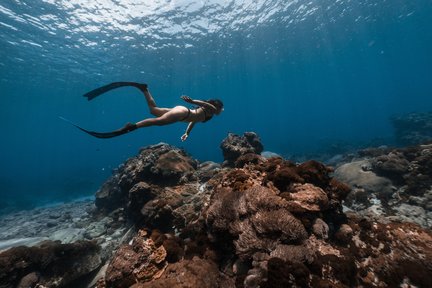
x: 250, y: 158
x: 279, y: 224
x: 256, y: 217
x: 286, y: 274
x: 190, y: 273
x: 57, y: 264
x: 281, y: 173
x: 315, y: 173
x: 392, y: 253
x: 142, y: 261
x: 173, y: 165
x: 307, y: 198
x: 338, y: 190
x: 234, y: 146
x: 159, y: 164
x: 283, y: 177
x: 266, y: 223
x: 393, y: 166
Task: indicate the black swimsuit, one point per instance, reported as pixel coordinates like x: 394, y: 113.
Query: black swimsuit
x: 206, y: 117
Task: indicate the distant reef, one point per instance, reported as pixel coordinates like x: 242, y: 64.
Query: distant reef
x: 392, y: 182
x: 413, y: 128
x: 255, y: 220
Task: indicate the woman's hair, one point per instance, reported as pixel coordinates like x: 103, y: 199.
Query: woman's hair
x: 216, y: 102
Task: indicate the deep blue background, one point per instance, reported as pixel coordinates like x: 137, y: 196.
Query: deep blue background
x: 302, y: 74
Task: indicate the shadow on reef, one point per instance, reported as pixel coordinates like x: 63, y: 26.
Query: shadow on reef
x: 249, y: 222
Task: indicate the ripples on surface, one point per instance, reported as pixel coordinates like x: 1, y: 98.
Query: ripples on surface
x: 74, y: 32
x: 158, y: 20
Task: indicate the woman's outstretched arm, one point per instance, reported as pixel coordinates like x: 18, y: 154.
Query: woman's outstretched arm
x: 188, y: 130
x: 204, y: 104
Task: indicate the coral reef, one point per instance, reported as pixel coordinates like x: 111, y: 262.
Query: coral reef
x: 195, y: 272
x: 140, y: 261
x: 274, y: 223
x: 410, y: 166
x: 158, y: 187
x: 396, y: 183
x: 235, y: 146
x: 256, y: 222
x: 364, y: 182
x: 275, y: 216
x: 157, y: 164
x: 397, y: 252
x: 413, y: 128
x: 50, y: 264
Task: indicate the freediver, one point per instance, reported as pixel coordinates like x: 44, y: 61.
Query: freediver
x: 203, y: 112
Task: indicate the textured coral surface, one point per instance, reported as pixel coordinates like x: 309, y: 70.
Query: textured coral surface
x: 396, y: 183
x: 51, y: 264
x: 256, y: 222
x: 274, y: 223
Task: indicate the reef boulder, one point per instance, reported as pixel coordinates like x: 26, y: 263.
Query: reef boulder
x: 158, y: 165
x: 235, y: 146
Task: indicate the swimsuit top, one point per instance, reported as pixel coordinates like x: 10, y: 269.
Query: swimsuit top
x: 207, y: 117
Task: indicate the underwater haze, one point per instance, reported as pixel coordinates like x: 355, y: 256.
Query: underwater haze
x: 302, y: 74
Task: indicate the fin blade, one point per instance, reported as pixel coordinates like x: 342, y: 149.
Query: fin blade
x: 101, y: 135
x: 101, y: 90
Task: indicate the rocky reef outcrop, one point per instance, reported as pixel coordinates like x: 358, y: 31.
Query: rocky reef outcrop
x: 50, y: 264
x: 156, y: 165
x: 153, y: 259
x: 257, y: 222
x: 235, y: 146
x: 413, y: 128
x: 261, y: 222
x: 160, y: 188
x: 73, y: 235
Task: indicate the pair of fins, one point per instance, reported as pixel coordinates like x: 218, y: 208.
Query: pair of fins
x: 99, y: 91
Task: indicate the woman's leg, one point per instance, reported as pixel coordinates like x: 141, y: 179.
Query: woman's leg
x: 154, y: 110
x: 173, y: 115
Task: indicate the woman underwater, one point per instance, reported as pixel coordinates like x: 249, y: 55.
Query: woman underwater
x: 204, y: 111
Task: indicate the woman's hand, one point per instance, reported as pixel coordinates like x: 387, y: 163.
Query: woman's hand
x: 184, y: 137
x: 187, y: 99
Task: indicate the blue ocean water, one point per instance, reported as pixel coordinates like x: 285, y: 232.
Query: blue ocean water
x: 302, y: 74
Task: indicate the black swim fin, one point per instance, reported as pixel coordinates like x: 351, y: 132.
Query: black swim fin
x: 126, y: 129
x: 98, y: 91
